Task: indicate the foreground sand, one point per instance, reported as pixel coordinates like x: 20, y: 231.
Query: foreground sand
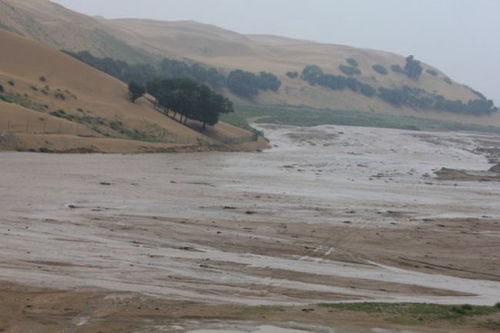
x: 130, y: 242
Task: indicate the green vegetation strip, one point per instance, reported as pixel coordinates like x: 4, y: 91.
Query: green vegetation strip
x: 238, y: 120
x: 413, y: 314
x: 95, y: 123
x: 22, y: 101
x: 302, y: 116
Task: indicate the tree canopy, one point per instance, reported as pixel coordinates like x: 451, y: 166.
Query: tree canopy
x: 135, y: 90
x: 242, y: 83
x: 314, y: 75
x: 421, y: 99
x: 404, y: 96
x: 247, y: 85
x: 413, y: 68
x: 380, y: 69
x: 189, y: 99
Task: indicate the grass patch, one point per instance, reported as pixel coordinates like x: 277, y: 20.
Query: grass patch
x: 133, y: 134
x: 303, y: 116
x: 414, y: 314
x: 260, y: 310
x: 22, y: 101
x: 9, y: 28
x: 491, y: 324
x: 237, y: 119
x: 96, y: 124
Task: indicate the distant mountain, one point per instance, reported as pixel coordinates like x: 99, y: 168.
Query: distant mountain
x: 352, y: 78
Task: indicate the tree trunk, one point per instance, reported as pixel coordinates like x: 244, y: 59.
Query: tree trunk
x: 204, y: 126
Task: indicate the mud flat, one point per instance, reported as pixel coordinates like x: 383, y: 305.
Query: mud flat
x: 329, y: 214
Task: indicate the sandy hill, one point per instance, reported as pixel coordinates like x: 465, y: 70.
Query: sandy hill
x: 137, y: 40
x: 62, y: 28
x: 53, y: 102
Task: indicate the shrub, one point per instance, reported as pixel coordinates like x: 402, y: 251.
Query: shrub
x: 352, y: 62
x: 10, y: 82
x: 432, y: 72
x: 380, y: 69
x: 314, y: 75
x: 292, y: 75
x: 1, y: 89
x: 59, y: 113
x: 34, y: 88
x: 42, y: 78
x: 348, y: 70
x: 59, y: 95
x: 397, y: 69
x: 447, y: 80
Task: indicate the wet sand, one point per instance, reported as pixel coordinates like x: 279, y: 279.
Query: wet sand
x: 330, y: 214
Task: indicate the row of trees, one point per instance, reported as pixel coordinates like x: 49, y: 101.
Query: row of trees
x: 405, y: 96
x: 119, y: 69
x: 188, y: 98
x: 241, y: 83
x: 247, y: 84
x: 419, y: 98
x: 314, y: 75
x: 170, y: 68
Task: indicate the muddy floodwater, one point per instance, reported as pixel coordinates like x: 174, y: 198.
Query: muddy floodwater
x: 329, y: 214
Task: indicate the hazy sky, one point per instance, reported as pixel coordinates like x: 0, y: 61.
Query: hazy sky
x: 461, y: 37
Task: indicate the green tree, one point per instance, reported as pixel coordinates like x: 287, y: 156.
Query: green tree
x: 352, y: 62
x: 211, y: 106
x: 135, y: 90
x: 189, y: 99
x: 380, y: 69
x: 312, y: 74
x: 268, y: 81
x: 349, y: 70
x: 413, y: 68
x: 243, y: 84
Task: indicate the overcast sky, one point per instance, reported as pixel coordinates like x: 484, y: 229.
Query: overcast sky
x: 461, y: 37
